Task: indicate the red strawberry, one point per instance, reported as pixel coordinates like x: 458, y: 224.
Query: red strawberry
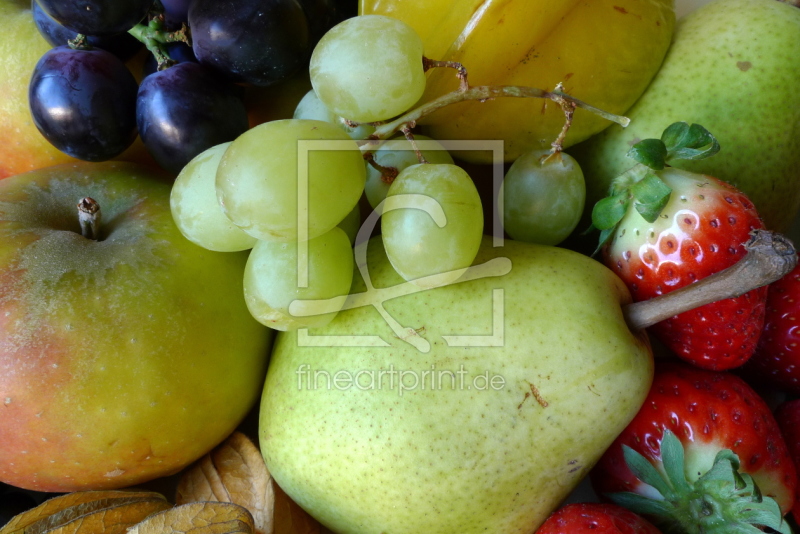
x: 776, y: 361
x: 664, y: 228
x: 596, y: 518
x: 700, y: 231
x: 699, y: 455
x: 788, y: 417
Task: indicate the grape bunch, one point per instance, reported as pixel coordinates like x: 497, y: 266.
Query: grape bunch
x: 87, y: 103
x: 289, y: 190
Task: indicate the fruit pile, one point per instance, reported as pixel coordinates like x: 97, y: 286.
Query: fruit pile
x: 601, y: 299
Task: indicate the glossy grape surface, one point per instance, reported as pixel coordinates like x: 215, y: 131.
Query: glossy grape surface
x: 122, y: 45
x: 368, y: 68
x: 415, y: 244
x: 197, y: 212
x: 97, y: 17
x: 185, y: 109
x: 256, y: 41
x: 84, y: 102
x: 271, y: 279
x: 258, y: 179
x: 542, y: 200
x: 399, y: 154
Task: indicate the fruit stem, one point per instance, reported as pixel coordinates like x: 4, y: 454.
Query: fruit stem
x: 388, y: 174
x: 769, y: 257
x: 89, y: 218
x: 155, y: 36
x: 410, y: 137
x: 483, y: 93
x: 80, y: 42
x: 569, y: 110
x: 461, y: 71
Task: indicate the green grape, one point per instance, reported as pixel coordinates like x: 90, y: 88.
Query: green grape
x: 197, y: 213
x: 258, y: 182
x: 415, y: 244
x: 399, y: 153
x: 542, y: 198
x: 351, y: 224
x: 368, y: 68
x: 271, y: 281
x: 311, y: 107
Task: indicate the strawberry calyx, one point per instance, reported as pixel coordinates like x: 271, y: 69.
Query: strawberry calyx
x: 640, y: 185
x: 723, y: 500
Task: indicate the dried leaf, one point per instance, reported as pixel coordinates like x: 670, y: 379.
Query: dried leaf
x: 198, y: 518
x: 290, y: 518
x: 235, y: 472
x: 61, y: 511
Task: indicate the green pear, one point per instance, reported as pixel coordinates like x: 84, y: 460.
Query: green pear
x: 473, y: 407
x: 733, y: 67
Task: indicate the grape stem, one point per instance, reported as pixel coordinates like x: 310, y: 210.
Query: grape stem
x: 80, y: 42
x: 482, y: 93
x: 410, y: 137
x: 89, y: 218
x: 388, y: 174
x: 154, y: 36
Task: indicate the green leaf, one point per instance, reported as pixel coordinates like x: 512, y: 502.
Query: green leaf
x: 672, y: 458
x: 688, y: 142
x: 641, y: 504
x: 650, y: 195
x: 650, y: 152
x: 766, y: 513
x: 609, y: 211
x: 644, y: 471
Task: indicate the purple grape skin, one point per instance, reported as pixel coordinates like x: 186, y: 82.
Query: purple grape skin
x: 122, y: 45
x: 176, y: 11
x: 260, y: 42
x: 185, y: 109
x: 84, y: 102
x: 97, y: 17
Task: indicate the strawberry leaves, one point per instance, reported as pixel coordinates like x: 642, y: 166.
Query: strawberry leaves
x: 641, y: 185
x: 723, y: 500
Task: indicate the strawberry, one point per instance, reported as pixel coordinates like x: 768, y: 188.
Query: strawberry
x: 788, y: 417
x: 699, y: 455
x: 664, y: 228
x: 596, y: 518
x: 776, y: 362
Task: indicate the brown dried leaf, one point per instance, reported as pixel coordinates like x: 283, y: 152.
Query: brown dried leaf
x: 60, y: 511
x: 235, y: 472
x: 290, y: 518
x: 198, y: 518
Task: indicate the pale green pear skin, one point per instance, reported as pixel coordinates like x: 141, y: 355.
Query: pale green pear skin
x: 458, y: 457
x: 733, y: 67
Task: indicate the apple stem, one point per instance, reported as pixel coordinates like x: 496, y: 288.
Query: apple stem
x: 769, y: 257
x: 89, y: 217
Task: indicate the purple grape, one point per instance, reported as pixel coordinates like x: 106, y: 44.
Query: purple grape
x: 185, y: 109
x: 97, y: 17
x: 122, y: 45
x: 321, y: 16
x: 254, y: 41
x: 84, y: 102
x: 176, y: 12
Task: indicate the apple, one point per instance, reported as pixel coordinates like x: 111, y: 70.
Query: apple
x: 122, y: 358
